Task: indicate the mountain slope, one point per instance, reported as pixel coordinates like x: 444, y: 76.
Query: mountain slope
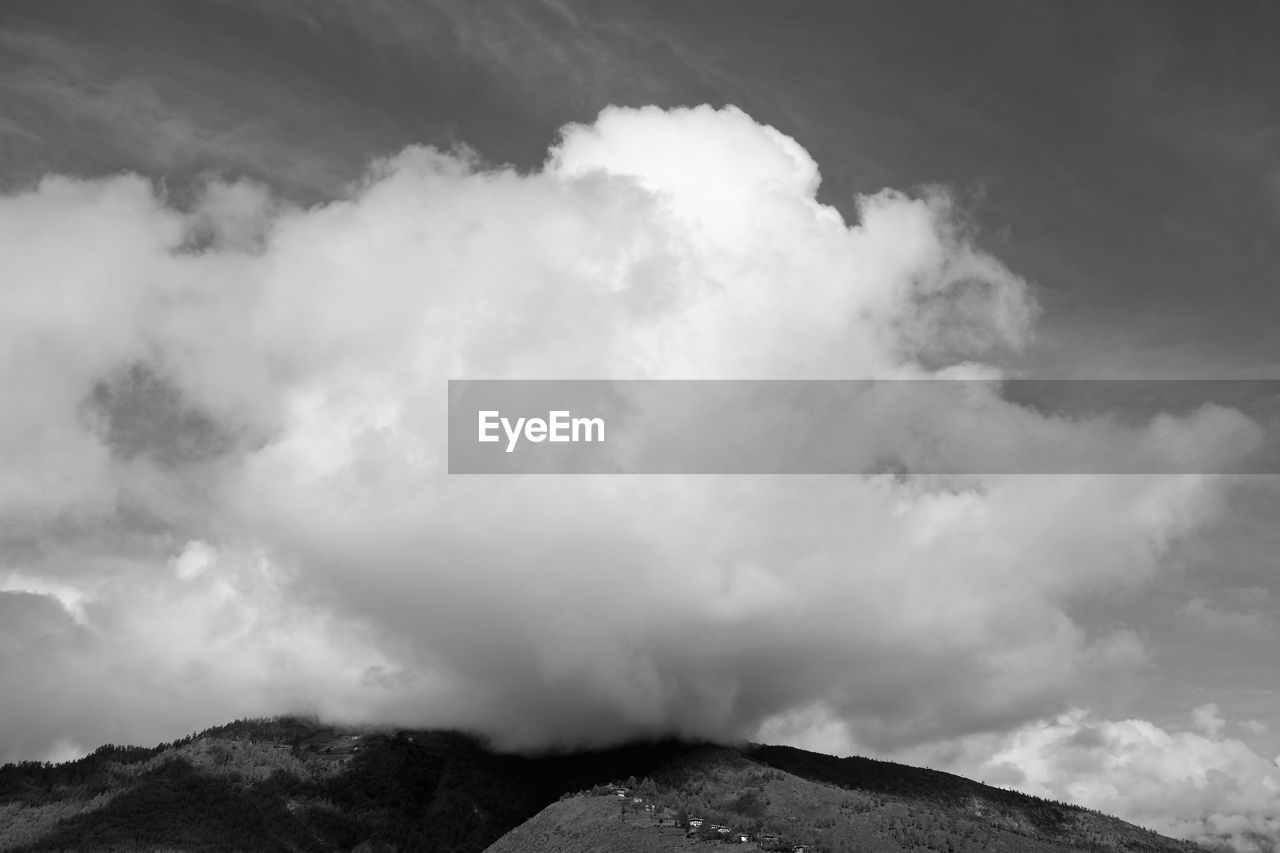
x: 295, y: 784
x: 828, y: 804
x: 592, y: 824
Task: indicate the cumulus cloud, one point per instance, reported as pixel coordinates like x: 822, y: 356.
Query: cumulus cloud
x: 1187, y: 784
x: 1208, y: 720
x: 227, y: 431
x: 159, y: 648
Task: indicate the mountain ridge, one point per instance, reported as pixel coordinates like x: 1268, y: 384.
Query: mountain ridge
x: 293, y: 783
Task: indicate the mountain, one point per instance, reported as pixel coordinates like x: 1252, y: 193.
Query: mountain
x: 294, y: 784
x: 779, y: 797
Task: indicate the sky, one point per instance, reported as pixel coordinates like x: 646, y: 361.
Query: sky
x: 244, y: 245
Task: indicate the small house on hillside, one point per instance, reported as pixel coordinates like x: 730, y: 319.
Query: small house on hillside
x: 741, y: 837
x: 695, y: 822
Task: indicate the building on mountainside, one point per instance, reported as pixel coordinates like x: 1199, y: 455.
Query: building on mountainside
x: 741, y: 837
x: 695, y: 822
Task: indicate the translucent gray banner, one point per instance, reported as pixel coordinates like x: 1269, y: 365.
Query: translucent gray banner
x: 864, y: 427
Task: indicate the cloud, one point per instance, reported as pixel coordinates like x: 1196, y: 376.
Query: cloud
x: 228, y: 434
x: 73, y: 105
x: 158, y: 649
x: 1195, y: 785
x: 1238, y: 612
x: 194, y: 560
x: 1208, y: 720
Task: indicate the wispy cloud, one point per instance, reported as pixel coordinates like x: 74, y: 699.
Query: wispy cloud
x: 1248, y: 612
x: 75, y: 109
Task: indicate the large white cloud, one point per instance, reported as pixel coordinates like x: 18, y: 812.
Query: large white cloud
x: 1194, y: 782
x: 1189, y: 784
x: 226, y: 424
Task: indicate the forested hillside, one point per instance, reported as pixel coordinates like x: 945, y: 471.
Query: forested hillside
x: 298, y: 785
